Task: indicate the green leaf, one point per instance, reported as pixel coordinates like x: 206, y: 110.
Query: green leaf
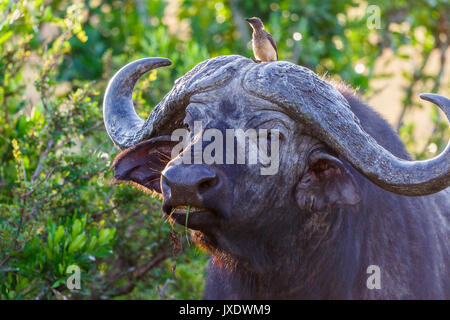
x: 57, y: 283
x: 76, y: 244
x: 76, y: 228
x: 92, y: 243
x: 5, y: 36
x: 105, y: 235
x: 59, y: 234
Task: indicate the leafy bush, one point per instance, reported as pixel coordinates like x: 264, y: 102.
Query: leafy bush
x: 59, y: 206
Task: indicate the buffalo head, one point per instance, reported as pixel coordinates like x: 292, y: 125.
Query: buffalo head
x: 316, y: 128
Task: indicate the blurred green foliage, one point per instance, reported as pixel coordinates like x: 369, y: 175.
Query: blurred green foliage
x: 58, y: 203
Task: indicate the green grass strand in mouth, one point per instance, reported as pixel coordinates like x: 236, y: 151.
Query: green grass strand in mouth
x: 185, y: 224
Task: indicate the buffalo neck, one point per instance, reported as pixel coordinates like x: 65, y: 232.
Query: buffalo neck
x: 307, y: 261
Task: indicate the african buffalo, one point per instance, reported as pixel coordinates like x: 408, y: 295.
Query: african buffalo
x: 348, y: 215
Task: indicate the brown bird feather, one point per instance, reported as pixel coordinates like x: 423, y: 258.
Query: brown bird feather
x: 264, y: 46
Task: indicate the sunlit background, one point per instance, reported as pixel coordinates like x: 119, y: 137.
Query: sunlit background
x: 58, y: 205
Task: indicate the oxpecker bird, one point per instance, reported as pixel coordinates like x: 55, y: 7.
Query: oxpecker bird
x: 264, y: 46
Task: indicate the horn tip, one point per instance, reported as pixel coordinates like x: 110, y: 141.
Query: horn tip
x: 433, y: 97
x: 160, y: 60
x: 441, y: 101
x: 427, y: 96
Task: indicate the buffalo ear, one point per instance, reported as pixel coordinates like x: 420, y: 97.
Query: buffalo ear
x: 143, y: 163
x: 326, y: 183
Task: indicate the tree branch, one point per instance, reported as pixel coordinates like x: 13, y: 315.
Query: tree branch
x: 42, y: 158
x: 139, y: 272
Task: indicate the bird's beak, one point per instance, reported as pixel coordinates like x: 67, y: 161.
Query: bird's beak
x: 247, y: 19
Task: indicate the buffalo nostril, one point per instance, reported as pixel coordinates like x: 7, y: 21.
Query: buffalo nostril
x: 207, y: 184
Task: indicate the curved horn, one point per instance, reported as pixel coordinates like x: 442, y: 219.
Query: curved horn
x: 326, y: 113
x: 121, y: 120
x: 411, y: 178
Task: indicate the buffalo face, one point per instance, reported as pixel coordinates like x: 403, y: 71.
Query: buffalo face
x: 229, y: 205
